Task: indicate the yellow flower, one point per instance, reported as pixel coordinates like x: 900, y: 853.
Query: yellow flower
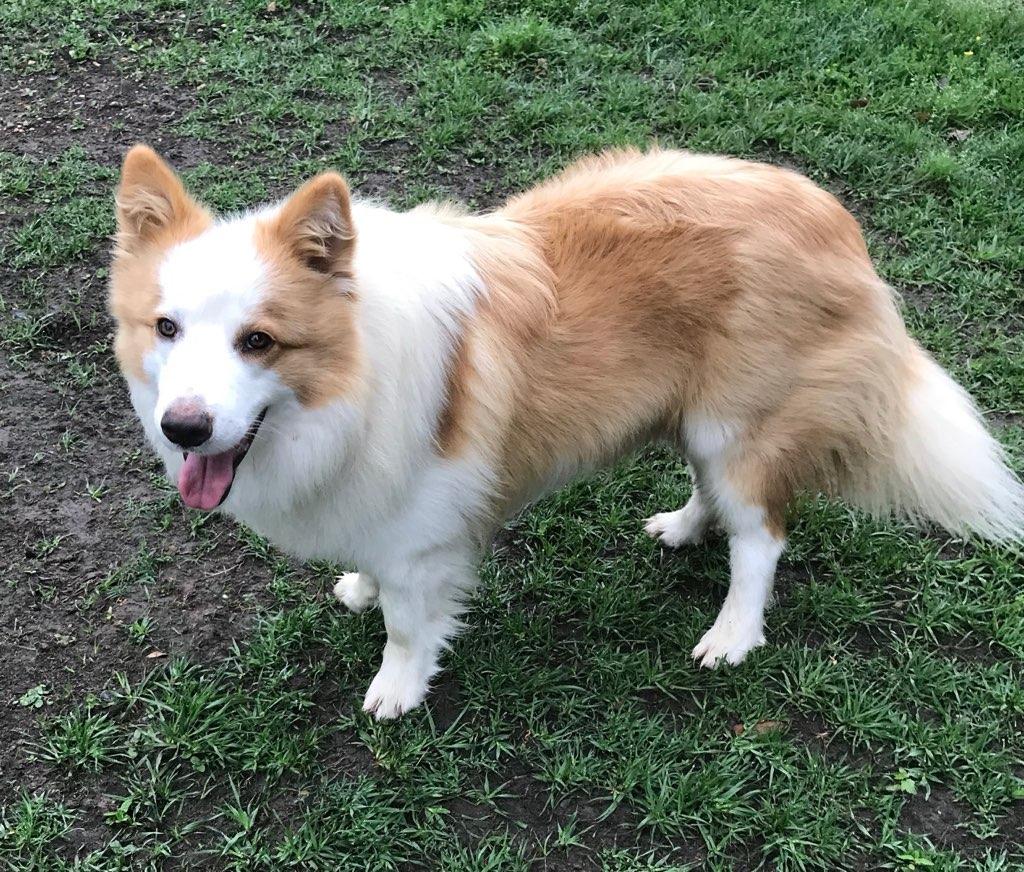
x: 968, y: 54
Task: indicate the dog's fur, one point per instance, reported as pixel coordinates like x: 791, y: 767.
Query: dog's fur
x: 434, y: 371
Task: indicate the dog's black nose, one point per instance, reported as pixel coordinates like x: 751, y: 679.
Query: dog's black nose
x: 187, y: 424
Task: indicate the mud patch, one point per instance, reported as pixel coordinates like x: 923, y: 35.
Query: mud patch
x: 101, y: 108
x: 103, y: 567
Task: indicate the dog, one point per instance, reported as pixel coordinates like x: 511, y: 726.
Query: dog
x: 386, y: 389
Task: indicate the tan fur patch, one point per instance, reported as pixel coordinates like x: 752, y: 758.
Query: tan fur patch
x: 308, y: 248
x: 452, y: 433
x: 154, y: 213
x: 637, y: 289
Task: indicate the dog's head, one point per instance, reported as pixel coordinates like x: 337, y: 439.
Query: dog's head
x: 227, y: 330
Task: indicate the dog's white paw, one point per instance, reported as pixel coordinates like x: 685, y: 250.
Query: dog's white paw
x: 355, y: 593
x: 686, y: 526
x: 400, y: 685
x: 731, y: 638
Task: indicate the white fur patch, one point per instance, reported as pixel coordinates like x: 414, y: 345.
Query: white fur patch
x: 707, y: 438
x: 753, y: 550
x: 358, y: 480
x: 401, y: 683
x: 356, y: 591
x: 686, y: 526
x: 210, y: 287
x: 948, y: 467
x: 216, y: 277
x: 739, y: 627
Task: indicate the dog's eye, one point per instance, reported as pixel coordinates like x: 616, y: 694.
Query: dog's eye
x: 258, y: 341
x: 166, y: 328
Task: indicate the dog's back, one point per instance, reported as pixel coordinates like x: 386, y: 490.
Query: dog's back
x: 694, y: 291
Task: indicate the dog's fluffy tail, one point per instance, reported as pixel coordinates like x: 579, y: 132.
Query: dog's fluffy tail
x: 943, y: 465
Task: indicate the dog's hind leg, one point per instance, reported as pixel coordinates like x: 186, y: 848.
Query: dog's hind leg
x: 751, y: 508
x: 754, y: 551
x: 685, y: 526
x: 421, y: 601
x: 357, y: 591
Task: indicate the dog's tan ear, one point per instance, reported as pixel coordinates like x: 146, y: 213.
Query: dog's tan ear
x: 151, y: 201
x: 315, y: 224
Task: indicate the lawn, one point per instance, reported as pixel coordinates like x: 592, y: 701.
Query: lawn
x: 177, y: 694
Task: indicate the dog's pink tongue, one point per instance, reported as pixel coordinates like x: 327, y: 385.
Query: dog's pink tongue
x: 204, y: 479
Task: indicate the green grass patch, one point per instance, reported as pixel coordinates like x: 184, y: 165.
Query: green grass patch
x: 570, y: 728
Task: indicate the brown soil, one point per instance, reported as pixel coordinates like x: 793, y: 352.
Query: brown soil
x: 60, y: 627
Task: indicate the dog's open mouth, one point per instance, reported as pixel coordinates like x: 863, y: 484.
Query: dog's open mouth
x: 205, y: 479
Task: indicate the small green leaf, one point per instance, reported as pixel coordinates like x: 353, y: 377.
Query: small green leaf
x: 34, y: 697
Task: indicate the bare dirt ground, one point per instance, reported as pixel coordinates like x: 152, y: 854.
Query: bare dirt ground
x: 74, y: 561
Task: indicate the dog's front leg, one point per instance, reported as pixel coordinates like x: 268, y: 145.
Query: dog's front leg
x: 421, y: 603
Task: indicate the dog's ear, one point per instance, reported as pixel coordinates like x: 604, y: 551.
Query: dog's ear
x: 151, y: 201
x: 315, y: 224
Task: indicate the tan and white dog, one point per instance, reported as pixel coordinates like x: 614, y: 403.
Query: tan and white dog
x: 387, y: 388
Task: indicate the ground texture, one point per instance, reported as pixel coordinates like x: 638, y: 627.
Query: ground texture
x: 177, y: 694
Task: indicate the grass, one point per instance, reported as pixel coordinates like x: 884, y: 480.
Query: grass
x: 882, y: 727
